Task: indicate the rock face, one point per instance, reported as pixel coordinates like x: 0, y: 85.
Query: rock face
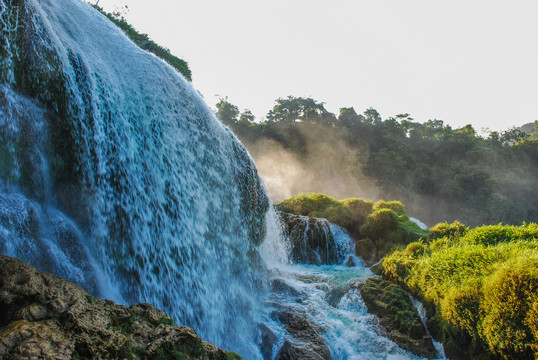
x: 313, y: 240
x: 46, y: 317
x: 307, y: 343
x: 392, y: 306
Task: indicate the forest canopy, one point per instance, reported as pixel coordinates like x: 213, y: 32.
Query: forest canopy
x: 440, y: 173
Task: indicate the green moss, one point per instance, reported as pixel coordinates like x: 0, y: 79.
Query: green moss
x: 40, y: 299
x: 165, y: 321
x: 482, y: 286
x: 122, y: 324
x: 187, y: 348
x: 388, y: 230
x: 395, y: 206
x: 308, y: 204
x: 454, y: 230
x: 233, y: 356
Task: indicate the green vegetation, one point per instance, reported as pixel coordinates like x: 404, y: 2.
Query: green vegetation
x: 440, y: 173
x: 145, y: 43
x: 481, y: 286
x: 122, y: 323
x: 233, y: 356
x: 379, y: 227
x: 165, y: 321
x: 531, y: 129
x: 188, y: 347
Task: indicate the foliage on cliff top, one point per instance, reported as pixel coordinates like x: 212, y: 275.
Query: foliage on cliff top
x: 145, y: 43
x: 382, y: 225
x: 482, y: 282
x: 440, y: 173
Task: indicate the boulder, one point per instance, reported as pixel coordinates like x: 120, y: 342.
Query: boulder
x: 43, y: 316
x: 306, y: 342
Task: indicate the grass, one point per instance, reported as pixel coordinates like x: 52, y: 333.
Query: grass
x: 482, y: 282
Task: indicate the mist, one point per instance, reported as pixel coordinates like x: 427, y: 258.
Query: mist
x: 329, y: 166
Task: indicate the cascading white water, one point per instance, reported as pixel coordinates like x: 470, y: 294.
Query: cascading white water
x: 330, y: 297
x: 166, y: 204
x: 116, y: 175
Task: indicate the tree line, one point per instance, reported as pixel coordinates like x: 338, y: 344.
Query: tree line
x: 440, y: 173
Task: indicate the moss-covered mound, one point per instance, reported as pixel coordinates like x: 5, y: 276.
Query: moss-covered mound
x: 43, y: 316
x: 378, y: 228
x: 395, y: 311
x: 480, y: 286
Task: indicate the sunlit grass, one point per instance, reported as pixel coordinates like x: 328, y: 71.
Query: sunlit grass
x: 483, y: 281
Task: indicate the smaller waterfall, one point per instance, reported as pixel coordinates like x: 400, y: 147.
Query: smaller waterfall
x: 422, y: 313
x: 327, y: 296
x: 316, y: 240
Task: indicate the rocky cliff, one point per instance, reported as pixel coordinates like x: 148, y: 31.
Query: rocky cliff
x: 43, y: 316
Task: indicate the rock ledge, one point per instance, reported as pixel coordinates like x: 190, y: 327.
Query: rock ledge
x: 43, y: 316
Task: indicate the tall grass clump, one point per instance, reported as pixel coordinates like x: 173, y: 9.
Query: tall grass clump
x: 481, y: 287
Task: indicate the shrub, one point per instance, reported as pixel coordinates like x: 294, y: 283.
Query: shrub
x: 395, y: 206
x: 381, y: 230
x: 483, y: 285
x: 510, y: 303
x: 454, y: 230
x: 145, y: 43
x: 360, y: 209
x: 379, y: 224
x: 308, y: 203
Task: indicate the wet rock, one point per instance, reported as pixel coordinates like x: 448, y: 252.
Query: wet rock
x: 293, y: 351
x: 350, y: 261
x: 43, y: 316
x: 268, y: 341
x: 396, y: 313
x: 280, y: 286
x: 306, y: 342
x: 312, y: 241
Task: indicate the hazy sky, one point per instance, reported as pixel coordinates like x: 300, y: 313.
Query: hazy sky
x: 463, y: 62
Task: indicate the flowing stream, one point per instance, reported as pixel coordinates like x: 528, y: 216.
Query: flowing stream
x: 116, y: 175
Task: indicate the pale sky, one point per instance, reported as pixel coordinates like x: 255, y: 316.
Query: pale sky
x: 463, y: 62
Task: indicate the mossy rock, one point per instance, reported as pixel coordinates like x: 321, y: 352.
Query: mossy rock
x: 396, y: 313
x: 58, y: 319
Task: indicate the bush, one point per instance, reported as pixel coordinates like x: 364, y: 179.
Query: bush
x: 395, y: 206
x: 380, y: 223
x: 454, y: 230
x: 145, y: 43
x: 510, y: 303
x: 308, y: 204
x: 483, y: 285
x: 360, y: 209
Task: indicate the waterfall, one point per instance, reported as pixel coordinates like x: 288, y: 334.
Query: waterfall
x: 116, y: 175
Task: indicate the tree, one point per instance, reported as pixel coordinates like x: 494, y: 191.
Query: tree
x: 246, y: 118
x: 349, y: 118
x: 372, y: 116
x: 293, y: 109
x: 512, y: 136
x: 227, y: 112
